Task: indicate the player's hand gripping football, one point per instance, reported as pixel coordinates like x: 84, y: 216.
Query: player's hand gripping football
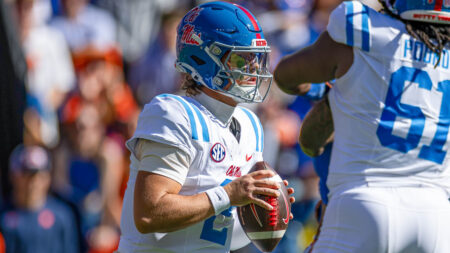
x: 244, y: 190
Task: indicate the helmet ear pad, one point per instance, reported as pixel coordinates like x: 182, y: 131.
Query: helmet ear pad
x: 206, y: 64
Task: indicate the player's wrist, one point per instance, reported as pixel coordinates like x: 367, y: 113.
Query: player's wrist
x: 219, y: 199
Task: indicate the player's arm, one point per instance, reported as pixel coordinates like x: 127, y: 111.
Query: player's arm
x: 158, y: 206
x: 325, y: 60
x: 317, y: 129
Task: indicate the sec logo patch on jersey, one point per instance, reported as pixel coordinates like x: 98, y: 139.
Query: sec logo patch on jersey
x: 217, y: 153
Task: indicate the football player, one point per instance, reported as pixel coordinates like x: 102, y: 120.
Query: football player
x: 190, y: 155
x: 389, y: 175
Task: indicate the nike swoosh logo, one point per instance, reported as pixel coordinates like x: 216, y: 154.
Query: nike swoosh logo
x: 255, y: 214
x: 248, y: 157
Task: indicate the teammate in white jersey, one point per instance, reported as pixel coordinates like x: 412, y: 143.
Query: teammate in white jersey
x: 190, y: 155
x: 389, y: 175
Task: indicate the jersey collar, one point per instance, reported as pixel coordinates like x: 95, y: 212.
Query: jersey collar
x: 222, y: 111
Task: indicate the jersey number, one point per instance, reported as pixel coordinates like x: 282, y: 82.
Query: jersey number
x: 212, y: 235
x: 394, y: 108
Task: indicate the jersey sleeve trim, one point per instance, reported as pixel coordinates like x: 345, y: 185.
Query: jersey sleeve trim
x: 205, y: 132
x: 257, y: 127
x: 357, y: 25
x: 194, y: 115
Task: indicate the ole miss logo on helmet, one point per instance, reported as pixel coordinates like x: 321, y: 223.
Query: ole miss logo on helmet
x: 193, y: 14
x: 217, y: 152
x: 189, y: 36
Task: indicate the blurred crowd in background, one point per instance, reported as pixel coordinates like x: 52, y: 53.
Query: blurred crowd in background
x: 91, y: 67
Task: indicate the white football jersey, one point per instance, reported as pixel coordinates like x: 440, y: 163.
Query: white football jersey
x: 391, y: 110
x: 216, y: 159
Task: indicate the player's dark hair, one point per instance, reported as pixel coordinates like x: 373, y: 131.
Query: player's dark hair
x: 190, y: 86
x: 434, y: 36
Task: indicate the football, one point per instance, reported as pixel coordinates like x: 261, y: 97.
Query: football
x: 263, y: 227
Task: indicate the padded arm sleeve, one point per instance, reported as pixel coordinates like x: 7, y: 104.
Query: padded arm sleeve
x: 162, y: 159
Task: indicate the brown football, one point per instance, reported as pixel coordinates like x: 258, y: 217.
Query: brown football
x: 263, y: 227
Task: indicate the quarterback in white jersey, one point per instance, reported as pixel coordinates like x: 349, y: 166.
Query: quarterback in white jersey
x: 190, y: 155
x: 389, y: 175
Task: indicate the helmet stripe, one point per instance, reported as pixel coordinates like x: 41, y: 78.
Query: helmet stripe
x: 438, y: 5
x: 250, y: 16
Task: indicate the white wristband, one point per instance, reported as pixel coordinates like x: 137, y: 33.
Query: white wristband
x: 219, y: 199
